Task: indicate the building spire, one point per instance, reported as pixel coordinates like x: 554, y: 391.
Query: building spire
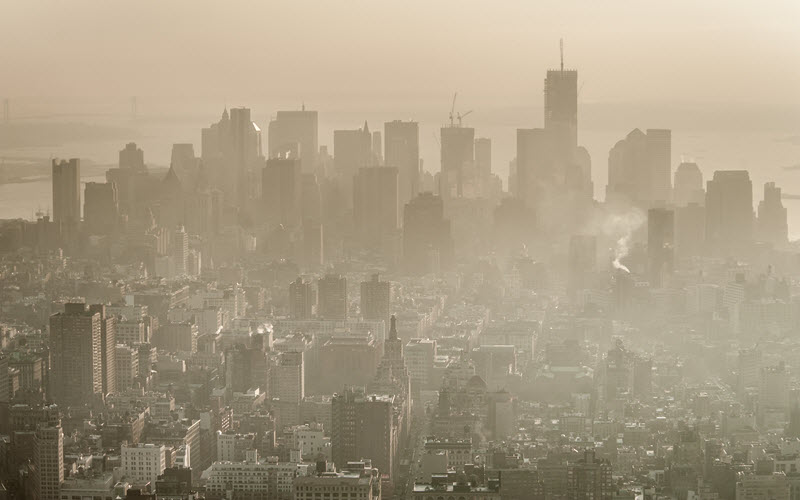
x: 561, y: 44
x: 393, y: 328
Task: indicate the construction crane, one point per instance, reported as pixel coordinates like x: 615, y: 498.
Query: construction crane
x: 460, y: 116
x: 453, y: 109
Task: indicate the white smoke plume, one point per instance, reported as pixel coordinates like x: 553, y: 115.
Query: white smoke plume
x: 620, y: 228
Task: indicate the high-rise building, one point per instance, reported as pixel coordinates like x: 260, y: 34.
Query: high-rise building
x: 377, y: 148
x: 535, y: 169
x: 401, y: 146
x: 246, y: 152
x: 48, y: 458
x: 690, y: 230
x: 67, y: 191
x: 458, y: 157
x: 131, y: 157
x: 143, y: 463
x: 127, y: 362
x: 659, y: 155
x: 180, y: 250
x: 77, y: 355
x: 100, y: 207
x: 590, y: 479
x: 688, y: 186
x: 361, y: 428
x: 729, y: 211
x: 639, y: 170
x: 231, y: 149
x: 288, y: 377
x: 352, y: 150
x: 427, y: 241
x: 296, y: 132
x: 108, y: 347
x: 301, y: 299
x: 772, y: 220
x: 660, y: 244
x: 376, y: 299
x: 281, y: 191
x: 561, y: 106
x: 375, y: 204
x: 332, y: 297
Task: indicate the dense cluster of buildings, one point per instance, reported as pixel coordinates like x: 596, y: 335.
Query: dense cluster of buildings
x: 276, y: 322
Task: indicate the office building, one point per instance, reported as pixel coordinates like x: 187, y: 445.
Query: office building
x: 375, y: 205
x: 100, y: 208
x: 362, y: 428
x: 427, y: 241
x: 67, y: 191
x: 590, y: 478
x: 281, y: 191
x: 108, y: 347
x: 364, y: 485
x: 729, y: 211
x: 301, y: 299
x: 352, y: 150
x: 127, y: 363
x: 131, y: 157
x: 376, y: 299
x: 143, y: 463
x: 772, y: 223
x: 332, y: 297
x: 688, y: 185
x: 295, y: 132
x: 639, y: 168
x: 458, y: 157
x: 561, y: 107
x: 76, y: 355
x: 48, y: 459
x: 401, y: 146
x: 660, y: 244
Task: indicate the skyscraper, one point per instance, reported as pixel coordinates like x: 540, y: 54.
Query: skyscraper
x: 688, y: 187
x: 48, y: 458
x: 458, y: 156
x: 401, y: 146
x: 131, y: 157
x: 332, y: 297
x: 281, y: 191
x: 561, y: 106
x: 361, y: 427
x: 77, y: 356
x: 483, y: 155
x: 67, y: 191
x: 295, y: 131
x: 772, y: 220
x: 101, y: 207
x: 729, y: 211
x: 108, y: 345
x: 376, y: 299
x: 427, y: 241
x: 301, y: 299
x: 639, y: 169
x: 246, y: 152
x: 352, y: 150
x: 375, y: 204
x: 660, y: 244
x: 232, y: 151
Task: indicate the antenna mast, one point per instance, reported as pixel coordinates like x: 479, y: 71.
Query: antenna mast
x: 561, y: 44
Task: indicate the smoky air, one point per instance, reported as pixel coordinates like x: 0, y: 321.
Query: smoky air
x: 365, y: 250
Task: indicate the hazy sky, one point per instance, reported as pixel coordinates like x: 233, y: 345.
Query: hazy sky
x: 382, y: 52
